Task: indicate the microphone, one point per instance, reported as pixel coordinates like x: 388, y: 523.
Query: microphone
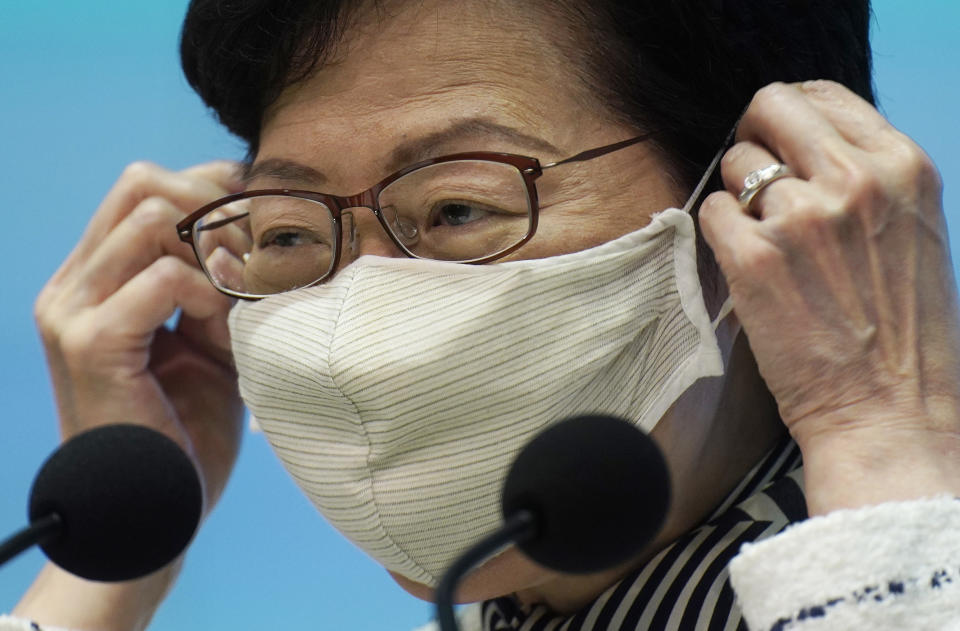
x: 111, y: 504
x: 584, y: 495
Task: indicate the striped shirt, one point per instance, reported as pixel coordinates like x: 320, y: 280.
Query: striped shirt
x: 686, y: 586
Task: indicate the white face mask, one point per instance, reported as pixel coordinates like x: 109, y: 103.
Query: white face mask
x: 398, y: 393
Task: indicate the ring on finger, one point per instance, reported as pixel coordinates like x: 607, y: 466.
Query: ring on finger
x: 759, y: 179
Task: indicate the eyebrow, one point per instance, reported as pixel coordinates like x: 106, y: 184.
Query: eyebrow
x: 281, y: 169
x: 407, y: 152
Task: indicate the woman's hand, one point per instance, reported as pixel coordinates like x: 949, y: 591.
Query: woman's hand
x: 112, y: 360
x: 841, y: 276
x: 102, y: 319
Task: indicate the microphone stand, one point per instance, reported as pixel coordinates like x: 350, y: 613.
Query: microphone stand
x: 37, y: 532
x: 521, y: 526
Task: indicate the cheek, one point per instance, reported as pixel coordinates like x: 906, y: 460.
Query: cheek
x: 571, y: 227
x: 580, y: 212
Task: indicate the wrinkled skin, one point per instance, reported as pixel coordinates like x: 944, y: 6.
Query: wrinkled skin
x: 841, y: 279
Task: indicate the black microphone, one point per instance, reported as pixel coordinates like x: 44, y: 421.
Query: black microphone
x: 584, y: 495
x: 111, y: 504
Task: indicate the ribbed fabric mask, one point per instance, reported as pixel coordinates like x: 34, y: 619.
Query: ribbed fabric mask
x: 398, y: 393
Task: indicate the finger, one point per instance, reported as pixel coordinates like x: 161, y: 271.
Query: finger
x: 144, y: 236
x: 209, y: 335
x: 784, y: 121
x: 223, y: 265
x: 224, y: 229
x: 740, y: 161
x: 724, y: 223
x: 853, y: 117
x: 153, y: 296
x: 226, y: 174
x: 141, y: 180
x: 905, y: 164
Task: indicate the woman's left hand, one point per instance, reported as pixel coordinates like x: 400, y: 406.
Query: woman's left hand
x: 841, y: 277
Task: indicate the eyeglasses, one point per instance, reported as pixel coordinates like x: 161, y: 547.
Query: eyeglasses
x: 472, y: 208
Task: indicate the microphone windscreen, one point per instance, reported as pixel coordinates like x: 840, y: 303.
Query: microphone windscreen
x: 599, y: 490
x: 130, y: 501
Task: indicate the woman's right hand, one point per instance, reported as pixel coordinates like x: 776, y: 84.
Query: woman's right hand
x: 101, y: 317
x: 112, y: 360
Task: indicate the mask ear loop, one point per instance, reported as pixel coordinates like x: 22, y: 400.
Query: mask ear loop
x: 702, y: 184
x: 727, y: 305
x: 725, y: 310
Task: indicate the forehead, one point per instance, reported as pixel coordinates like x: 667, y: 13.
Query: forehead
x: 404, y: 68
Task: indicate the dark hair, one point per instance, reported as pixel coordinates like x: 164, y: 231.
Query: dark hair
x: 683, y: 69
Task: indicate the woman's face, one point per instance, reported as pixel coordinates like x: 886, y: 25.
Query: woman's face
x: 428, y: 78
x: 424, y: 79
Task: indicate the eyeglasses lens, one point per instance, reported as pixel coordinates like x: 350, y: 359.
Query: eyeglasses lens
x: 458, y: 211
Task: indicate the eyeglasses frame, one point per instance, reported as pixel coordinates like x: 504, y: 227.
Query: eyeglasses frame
x: 529, y: 168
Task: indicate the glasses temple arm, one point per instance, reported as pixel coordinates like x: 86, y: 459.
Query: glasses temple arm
x: 599, y: 151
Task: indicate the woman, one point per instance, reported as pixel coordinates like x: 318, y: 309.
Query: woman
x: 838, y: 273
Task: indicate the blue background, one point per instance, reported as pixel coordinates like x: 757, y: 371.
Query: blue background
x: 87, y: 87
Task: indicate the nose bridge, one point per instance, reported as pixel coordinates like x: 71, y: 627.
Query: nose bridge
x: 363, y: 232
x: 360, y: 200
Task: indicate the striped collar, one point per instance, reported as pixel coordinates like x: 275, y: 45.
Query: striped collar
x: 685, y: 587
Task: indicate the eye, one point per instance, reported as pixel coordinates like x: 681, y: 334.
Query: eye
x: 288, y: 238
x: 457, y: 214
